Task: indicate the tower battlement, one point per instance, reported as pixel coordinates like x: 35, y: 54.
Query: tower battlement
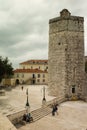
x: 66, y: 22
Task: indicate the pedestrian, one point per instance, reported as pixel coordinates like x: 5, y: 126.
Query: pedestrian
x: 56, y: 108
x: 53, y: 110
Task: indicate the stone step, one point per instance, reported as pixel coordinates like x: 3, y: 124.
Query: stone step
x: 40, y: 110
x: 36, y: 114
x: 40, y: 113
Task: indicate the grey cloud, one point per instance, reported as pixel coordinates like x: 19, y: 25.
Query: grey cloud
x: 24, y: 26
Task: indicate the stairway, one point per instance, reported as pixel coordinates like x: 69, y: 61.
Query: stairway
x: 45, y: 110
x: 36, y: 114
x: 40, y: 113
x: 16, y: 118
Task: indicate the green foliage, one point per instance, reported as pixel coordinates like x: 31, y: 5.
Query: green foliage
x: 86, y: 67
x: 6, y: 69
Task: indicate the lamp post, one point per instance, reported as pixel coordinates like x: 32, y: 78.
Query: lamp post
x: 27, y: 103
x: 44, y: 99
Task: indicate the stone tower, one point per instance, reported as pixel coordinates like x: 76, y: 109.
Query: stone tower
x: 66, y: 55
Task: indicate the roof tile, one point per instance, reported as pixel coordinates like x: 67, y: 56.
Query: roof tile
x: 29, y: 71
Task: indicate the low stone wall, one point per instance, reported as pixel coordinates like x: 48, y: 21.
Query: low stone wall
x: 16, y: 117
x: 57, y: 100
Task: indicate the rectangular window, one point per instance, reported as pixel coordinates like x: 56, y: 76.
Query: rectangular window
x: 38, y: 75
x: 73, y: 90
x: 47, y: 67
x: 43, y: 80
x: 33, y: 75
x: 38, y: 80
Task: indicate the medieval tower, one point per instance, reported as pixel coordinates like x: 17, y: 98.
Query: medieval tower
x: 66, y: 55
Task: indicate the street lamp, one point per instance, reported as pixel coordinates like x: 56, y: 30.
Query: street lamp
x: 27, y: 103
x: 44, y: 99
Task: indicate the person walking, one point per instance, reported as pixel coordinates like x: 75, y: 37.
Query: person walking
x: 53, y: 110
x: 56, y: 108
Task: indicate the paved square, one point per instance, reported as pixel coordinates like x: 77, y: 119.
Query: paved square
x: 72, y: 115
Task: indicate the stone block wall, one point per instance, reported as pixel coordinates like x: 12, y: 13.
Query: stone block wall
x: 66, y: 54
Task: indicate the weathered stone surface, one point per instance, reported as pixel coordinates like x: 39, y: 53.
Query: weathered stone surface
x: 5, y: 124
x: 66, y: 55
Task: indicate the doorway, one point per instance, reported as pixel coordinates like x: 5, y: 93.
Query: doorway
x: 33, y: 81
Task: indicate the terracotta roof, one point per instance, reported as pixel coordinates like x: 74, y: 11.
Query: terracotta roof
x: 29, y: 71
x: 35, y: 62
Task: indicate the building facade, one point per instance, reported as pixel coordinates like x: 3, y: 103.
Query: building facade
x: 32, y: 72
x: 34, y: 64
x: 66, y: 55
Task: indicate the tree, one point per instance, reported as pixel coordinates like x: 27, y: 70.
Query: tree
x: 6, y: 69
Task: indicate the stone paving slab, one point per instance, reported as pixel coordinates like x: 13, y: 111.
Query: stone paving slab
x: 5, y: 124
x: 71, y: 116
x: 15, y: 100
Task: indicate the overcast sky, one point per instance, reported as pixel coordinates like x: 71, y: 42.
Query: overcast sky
x: 24, y: 26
